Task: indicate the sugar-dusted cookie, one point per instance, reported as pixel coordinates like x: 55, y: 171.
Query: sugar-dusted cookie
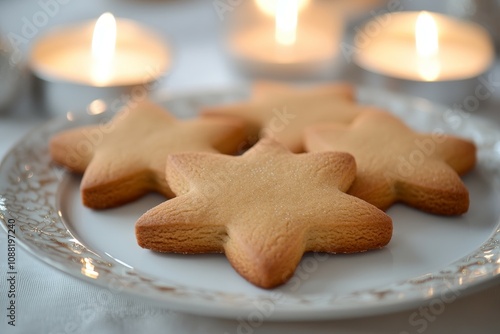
x: 125, y: 159
x: 397, y: 164
x: 283, y: 112
x: 263, y: 209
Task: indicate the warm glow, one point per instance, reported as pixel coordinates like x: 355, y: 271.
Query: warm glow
x: 427, y: 45
x: 287, y: 12
x: 96, y: 107
x: 426, y: 35
x: 103, y: 48
x: 88, y: 268
x: 269, y: 6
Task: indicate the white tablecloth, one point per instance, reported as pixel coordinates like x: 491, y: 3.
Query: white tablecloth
x: 48, y: 301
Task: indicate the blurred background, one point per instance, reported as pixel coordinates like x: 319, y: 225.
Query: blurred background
x: 211, y: 43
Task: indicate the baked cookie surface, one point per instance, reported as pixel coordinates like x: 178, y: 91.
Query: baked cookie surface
x: 263, y: 209
x: 282, y: 112
x: 125, y: 158
x: 397, y: 164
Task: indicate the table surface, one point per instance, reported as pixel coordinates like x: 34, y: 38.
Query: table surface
x: 52, y: 302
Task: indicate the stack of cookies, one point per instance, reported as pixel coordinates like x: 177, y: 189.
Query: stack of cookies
x: 318, y: 172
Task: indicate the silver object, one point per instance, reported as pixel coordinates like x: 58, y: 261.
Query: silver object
x: 10, y: 75
x: 484, y: 12
x: 464, y: 94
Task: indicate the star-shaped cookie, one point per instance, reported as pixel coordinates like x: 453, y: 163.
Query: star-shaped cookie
x: 263, y: 89
x: 125, y: 158
x: 283, y: 112
x: 397, y: 164
x: 263, y: 209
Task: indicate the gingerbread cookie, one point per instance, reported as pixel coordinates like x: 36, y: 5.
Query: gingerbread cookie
x: 397, y: 164
x: 283, y: 113
x: 125, y: 158
x: 262, y: 89
x: 263, y: 209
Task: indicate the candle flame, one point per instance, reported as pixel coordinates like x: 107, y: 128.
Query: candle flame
x: 427, y: 45
x: 426, y: 35
x: 103, y: 48
x: 269, y: 6
x: 286, y: 21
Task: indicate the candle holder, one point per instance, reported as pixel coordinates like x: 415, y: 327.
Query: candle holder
x: 58, y: 97
x: 466, y: 94
x: 426, y: 54
x: 298, y: 39
x: 482, y: 12
x: 68, y: 75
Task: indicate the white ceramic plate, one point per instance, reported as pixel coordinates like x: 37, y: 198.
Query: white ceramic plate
x: 430, y: 258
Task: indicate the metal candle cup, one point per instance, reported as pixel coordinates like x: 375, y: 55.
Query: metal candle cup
x: 285, y: 38
x: 69, y: 73
x: 424, y: 53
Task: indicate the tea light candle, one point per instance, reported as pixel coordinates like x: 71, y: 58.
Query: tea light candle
x: 423, y: 46
x: 285, y: 48
x: 96, y: 60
